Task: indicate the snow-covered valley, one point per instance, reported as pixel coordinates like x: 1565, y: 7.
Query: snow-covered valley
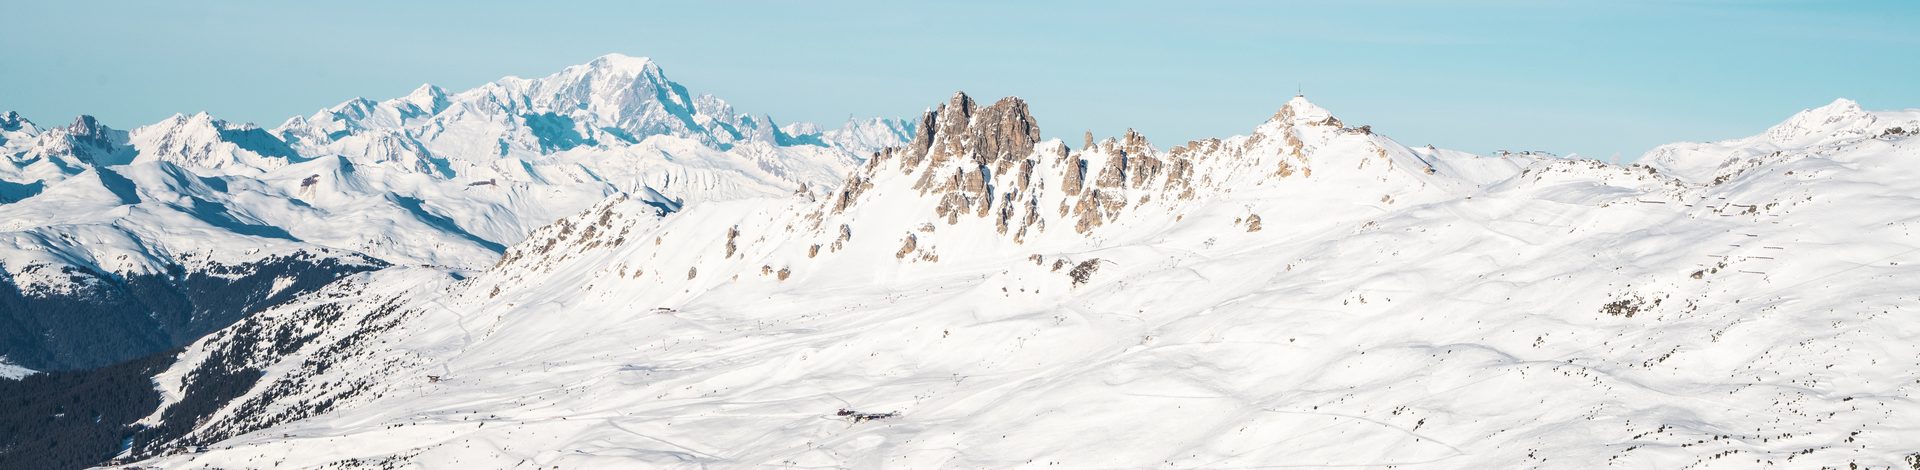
x: 957, y: 291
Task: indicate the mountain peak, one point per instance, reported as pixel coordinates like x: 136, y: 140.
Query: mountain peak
x: 91, y: 140
x: 1299, y: 111
x: 13, y: 121
x: 611, y: 101
x: 626, y: 64
x: 1841, y: 117
x: 1841, y: 105
x: 959, y: 105
x: 429, y: 98
x: 428, y: 91
x: 204, y: 142
x: 1002, y: 130
x: 1300, y: 123
x: 1301, y: 101
x: 1838, y: 111
x: 86, y: 125
x: 198, y: 119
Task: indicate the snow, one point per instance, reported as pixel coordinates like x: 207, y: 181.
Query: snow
x: 431, y: 178
x: 1728, y: 305
x: 9, y: 371
x: 1834, y: 125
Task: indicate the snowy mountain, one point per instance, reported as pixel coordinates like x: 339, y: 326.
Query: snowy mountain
x: 1311, y: 293
x: 1824, y: 129
x: 117, y: 244
x: 211, y: 146
x: 614, y: 101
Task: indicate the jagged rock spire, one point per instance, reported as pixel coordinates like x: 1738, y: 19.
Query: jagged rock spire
x: 1004, y: 130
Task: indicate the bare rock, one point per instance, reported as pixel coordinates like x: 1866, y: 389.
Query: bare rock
x: 907, y: 247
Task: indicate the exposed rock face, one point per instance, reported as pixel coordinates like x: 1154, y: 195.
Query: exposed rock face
x: 856, y: 184
x: 907, y: 246
x: 733, y: 236
x: 995, y: 136
x: 605, y: 224
x: 89, y: 132
x: 964, y: 147
x: 967, y: 158
x: 1129, y: 163
x: 1083, y: 272
x: 969, y: 161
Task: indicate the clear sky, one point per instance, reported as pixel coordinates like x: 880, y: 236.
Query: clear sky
x: 1596, y: 78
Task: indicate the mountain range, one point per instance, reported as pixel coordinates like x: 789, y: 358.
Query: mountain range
x: 159, y: 235
x: 597, y: 269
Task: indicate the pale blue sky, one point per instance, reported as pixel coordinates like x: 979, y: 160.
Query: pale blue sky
x: 1596, y: 78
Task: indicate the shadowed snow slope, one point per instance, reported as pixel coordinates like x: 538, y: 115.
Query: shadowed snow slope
x: 1308, y: 294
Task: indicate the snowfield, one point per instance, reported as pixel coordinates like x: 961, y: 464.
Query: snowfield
x: 118, y: 244
x: 429, y: 178
x: 1308, y: 294
x: 13, y: 372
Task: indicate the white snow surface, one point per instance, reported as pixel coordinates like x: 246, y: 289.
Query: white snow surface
x: 9, y: 371
x: 1730, y: 305
x: 431, y: 178
x: 1825, y: 128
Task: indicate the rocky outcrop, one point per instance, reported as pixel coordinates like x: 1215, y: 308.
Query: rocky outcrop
x: 907, y: 246
x: 973, y: 161
x: 969, y: 161
x: 88, y: 133
x: 963, y: 146
x: 1128, y: 162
